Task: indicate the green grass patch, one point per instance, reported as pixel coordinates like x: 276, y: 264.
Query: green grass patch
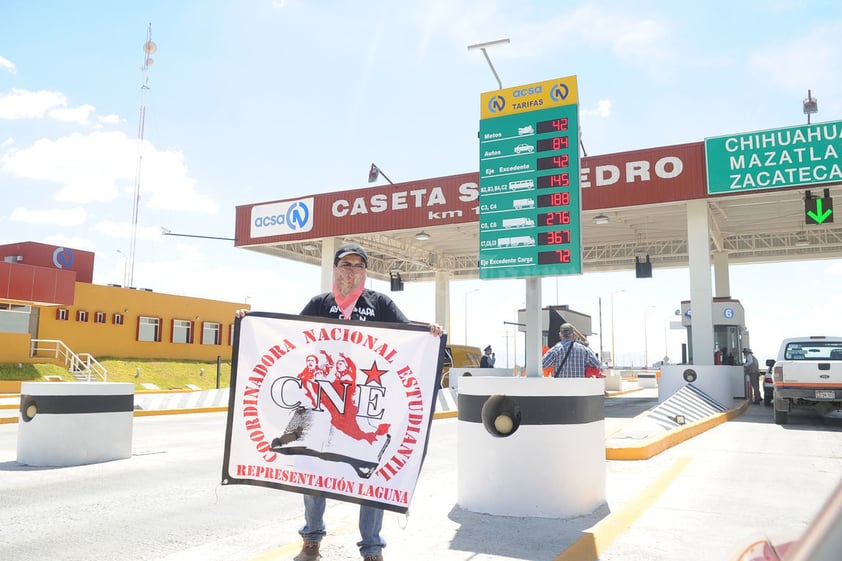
x: 165, y: 374
x: 29, y: 372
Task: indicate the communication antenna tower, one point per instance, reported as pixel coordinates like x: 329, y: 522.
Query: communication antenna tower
x: 149, y: 49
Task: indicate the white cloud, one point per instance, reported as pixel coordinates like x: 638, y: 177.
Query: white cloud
x: 22, y: 104
x: 79, y: 114
x: 59, y: 217
x: 87, y: 166
x: 110, y: 119
x: 75, y: 242
x: 124, y: 230
x: 113, y: 229
x: 262, y: 284
x: 7, y: 65
x: 95, y: 167
x: 602, y: 110
x: 164, y: 175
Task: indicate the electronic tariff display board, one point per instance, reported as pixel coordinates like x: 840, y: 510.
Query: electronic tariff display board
x: 529, y: 203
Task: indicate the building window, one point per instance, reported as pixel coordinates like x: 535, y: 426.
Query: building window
x: 148, y: 329
x: 117, y: 319
x: 231, y: 335
x: 99, y: 317
x: 62, y: 314
x: 211, y: 333
x: 81, y: 315
x: 9, y: 307
x: 182, y: 331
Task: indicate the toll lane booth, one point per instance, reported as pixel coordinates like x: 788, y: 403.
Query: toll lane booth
x: 730, y: 337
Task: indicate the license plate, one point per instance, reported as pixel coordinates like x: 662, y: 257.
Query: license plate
x: 825, y: 394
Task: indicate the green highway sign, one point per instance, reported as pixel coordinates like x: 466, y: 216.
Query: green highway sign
x: 773, y: 159
x: 529, y: 202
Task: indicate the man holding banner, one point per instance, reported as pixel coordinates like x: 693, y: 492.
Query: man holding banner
x: 347, y: 430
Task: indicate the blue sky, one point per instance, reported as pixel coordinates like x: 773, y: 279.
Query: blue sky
x: 260, y: 100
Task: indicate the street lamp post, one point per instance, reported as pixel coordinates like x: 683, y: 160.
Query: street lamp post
x: 506, y: 336
x: 482, y: 47
x: 613, y: 356
x: 601, y: 332
x: 466, y: 312
x: 515, y: 325
x: 125, y: 268
x: 646, y: 335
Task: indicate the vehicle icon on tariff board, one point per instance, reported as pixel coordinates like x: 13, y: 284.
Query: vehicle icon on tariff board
x: 525, y: 130
x: 524, y: 148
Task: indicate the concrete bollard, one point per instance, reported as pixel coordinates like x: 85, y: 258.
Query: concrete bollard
x: 647, y: 379
x: 722, y: 383
x: 531, y: 446
x: 74, y: 423
x: 613, y: 381
x: 458, y: 373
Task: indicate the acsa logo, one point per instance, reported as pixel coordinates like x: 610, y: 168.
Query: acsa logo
x: 522, y: 92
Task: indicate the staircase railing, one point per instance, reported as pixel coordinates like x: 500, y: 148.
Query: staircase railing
x: 83, y: 366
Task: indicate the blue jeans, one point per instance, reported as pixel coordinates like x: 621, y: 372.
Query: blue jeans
x: 371, y: 521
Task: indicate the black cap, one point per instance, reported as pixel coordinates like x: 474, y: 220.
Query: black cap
x: 348, y: 249
x: 488, y: 348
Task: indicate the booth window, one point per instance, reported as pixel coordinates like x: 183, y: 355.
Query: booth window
x: 231, y: 335
x: 211, y: 333
x: 99, y: 317
x: 82, y: 315
x: 149, y: 329
x: 117, y: 319
x: 62, y: 314
x: 182, y: 331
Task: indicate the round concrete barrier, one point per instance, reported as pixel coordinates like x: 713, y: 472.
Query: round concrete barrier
x: 531, y: 446
x: 74, y: 423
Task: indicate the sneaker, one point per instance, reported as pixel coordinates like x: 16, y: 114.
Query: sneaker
x: 373, y: 557
x: 309, y: 552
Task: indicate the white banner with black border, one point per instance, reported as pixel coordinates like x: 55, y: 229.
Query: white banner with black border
x: 331, y: 407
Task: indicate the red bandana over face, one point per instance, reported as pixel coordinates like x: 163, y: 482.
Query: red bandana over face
x: 348, y: 284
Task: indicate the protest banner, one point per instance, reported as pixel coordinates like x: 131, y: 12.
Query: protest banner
x: 331, y: 407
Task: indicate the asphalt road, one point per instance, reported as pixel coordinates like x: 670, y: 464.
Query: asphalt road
x: 700, y: 500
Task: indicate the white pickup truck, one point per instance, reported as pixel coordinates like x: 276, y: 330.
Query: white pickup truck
x: 808, y: 373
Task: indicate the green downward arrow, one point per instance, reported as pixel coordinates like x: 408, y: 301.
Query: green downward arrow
x: 819, y: 216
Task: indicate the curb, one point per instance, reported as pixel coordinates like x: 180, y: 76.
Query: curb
x: 657, y: 445
x: 615, y: 393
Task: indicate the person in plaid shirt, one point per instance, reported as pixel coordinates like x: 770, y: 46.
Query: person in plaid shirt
x: 569, y: 357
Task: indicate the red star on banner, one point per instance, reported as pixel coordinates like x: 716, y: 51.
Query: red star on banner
x: 373, y: 374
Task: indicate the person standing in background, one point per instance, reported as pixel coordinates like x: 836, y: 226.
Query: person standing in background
x: 569, y: 357
x: 752, y: 371
x: 488, y: 359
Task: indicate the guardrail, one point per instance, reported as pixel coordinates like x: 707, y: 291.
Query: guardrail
x: 83, y: 366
